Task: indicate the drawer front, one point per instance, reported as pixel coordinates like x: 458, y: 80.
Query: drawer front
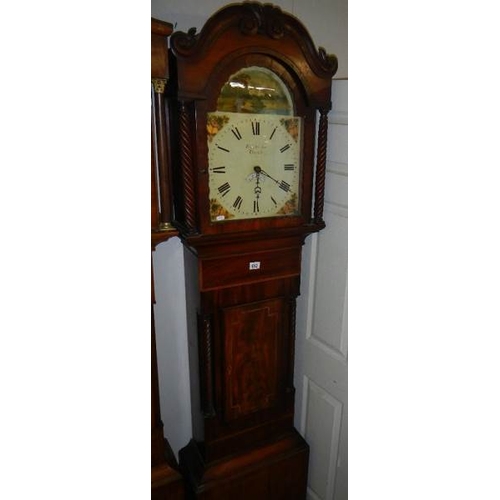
x: 249, y: 268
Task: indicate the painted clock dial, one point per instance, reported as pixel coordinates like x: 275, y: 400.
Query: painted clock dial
x: 254, y: 149
x: 254, y: 165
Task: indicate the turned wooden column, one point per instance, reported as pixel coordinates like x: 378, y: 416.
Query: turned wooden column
x: 161, y: 178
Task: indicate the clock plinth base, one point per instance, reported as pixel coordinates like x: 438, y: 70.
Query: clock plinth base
x: 272, y: 471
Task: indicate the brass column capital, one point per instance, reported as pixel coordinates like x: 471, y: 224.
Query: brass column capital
x: 159, y: 85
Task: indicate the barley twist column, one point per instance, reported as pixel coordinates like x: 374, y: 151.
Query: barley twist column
x: 292, y: 304
x: 187, y: 171
x: 321, y: 167
x: 207, y: 363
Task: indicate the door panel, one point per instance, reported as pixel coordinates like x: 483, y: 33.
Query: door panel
x: 253, y: 344
x: 331, y: 284
x: 323, y: 415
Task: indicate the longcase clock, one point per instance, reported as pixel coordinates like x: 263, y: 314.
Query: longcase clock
x: 166, y: 481
x: 252, y: 97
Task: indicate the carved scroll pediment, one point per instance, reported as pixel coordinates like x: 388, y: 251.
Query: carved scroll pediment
x: 264, y: 20
x: 259, y: 22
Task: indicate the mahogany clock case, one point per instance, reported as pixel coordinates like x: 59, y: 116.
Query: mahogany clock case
x: 243, y: 273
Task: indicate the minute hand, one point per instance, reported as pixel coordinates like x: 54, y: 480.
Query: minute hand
x: 267, y: 175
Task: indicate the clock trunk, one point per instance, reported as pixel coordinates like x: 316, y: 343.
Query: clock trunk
x: 242, y: 338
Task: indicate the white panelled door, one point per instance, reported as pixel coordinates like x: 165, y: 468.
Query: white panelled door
x: 321, y: 364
